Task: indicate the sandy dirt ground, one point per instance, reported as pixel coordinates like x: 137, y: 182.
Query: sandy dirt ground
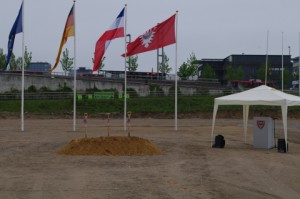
x: 188, y: 167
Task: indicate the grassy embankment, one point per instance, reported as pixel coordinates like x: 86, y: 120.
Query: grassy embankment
x: 136, y: 105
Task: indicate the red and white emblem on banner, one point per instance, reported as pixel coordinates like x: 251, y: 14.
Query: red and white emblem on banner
x: 260, y: 124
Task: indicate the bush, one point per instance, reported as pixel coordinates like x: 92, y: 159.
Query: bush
x: 156, y: 90
x: 64, y: 88
x: 45, y: 89
x: 202, y: 91
x: 31, y: 89
x: 12, y: 90
x: 132, y: 92
x: 95, y: 89
x: 172, y: 91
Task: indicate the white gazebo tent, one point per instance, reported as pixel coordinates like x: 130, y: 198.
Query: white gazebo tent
x: 262, y: 95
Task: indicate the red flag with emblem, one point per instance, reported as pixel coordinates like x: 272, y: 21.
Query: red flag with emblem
x: 157, y: 37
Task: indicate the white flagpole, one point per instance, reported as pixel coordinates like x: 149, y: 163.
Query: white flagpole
x: 74, y: 97
x: 282, y: 62
x: 176, y: 53
x: 125, y: 73
x: 23, y: 81
x: 266, y: 72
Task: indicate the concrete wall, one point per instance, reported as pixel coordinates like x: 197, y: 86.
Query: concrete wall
x: 13, y: 81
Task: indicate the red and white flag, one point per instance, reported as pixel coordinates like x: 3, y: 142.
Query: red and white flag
x: 157, y: 37
x: 116, y: 30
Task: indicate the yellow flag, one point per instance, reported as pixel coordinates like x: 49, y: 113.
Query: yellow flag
x: 68, y: 32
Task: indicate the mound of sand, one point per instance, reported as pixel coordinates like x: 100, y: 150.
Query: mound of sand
x: 110, y: 146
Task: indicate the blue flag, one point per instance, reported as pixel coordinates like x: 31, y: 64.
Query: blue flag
x: 17, y: 28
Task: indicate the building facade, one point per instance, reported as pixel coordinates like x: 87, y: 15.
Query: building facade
x: 39, y: 67
x: 81, y: 71
x: 252, y: 66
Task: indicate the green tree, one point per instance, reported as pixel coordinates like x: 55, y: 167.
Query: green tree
x: 16, y: 63
x: 208, y: 72
x: 184, y: 71
x: 232, y: 74
x: 132, y: 63
x: 2, y: 58
x: 19, y: 62
x: 27, y: 58
x: 189, y: 68
x: 101, y: 64
x: 262, y: 72
x: 239, y: 73
x: 13, y: 64
x: 193, y: 65
x: 163, y: 67
x: 66, y: 62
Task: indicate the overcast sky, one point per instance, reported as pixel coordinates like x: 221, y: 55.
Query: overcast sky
x: 209, y: 28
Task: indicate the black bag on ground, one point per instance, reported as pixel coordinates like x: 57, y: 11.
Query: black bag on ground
x: 219, y: 141
x: 281, y: 146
